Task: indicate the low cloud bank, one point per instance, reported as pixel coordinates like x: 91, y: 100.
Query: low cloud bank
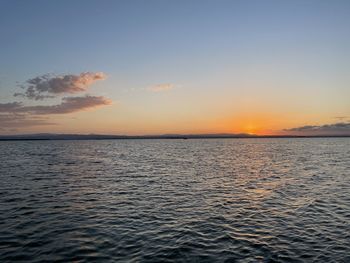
x: 340, y: 128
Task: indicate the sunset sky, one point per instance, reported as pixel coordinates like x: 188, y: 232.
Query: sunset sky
x: 160, y: 67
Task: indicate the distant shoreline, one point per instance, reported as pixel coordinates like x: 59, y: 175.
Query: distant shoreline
x: 61, y: 137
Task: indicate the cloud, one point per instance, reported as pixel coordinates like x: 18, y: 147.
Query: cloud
x: 16, y: 114
x: 10, y: 120
x: 342, y: 118
x: 161, y: 87
x: 48, y: 86
x: 340, y: 128
x: 68, y: 105
x: 10, y: 107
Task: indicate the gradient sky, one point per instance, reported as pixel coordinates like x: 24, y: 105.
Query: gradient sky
x: 177, y: 66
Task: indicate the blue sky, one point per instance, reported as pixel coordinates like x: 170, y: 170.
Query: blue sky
x: 284, y: 56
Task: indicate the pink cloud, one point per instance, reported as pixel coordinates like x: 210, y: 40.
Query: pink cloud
x: 161, y: 87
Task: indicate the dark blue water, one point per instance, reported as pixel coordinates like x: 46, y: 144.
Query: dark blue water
x: 225, y: 200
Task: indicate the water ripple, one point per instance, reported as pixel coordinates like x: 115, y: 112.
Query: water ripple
x: 248, y: 200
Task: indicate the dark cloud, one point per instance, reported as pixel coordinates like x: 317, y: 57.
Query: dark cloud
x: 68, y: 105
x: 10, y: 107
x: 340, y: 128
x: 48, y: 86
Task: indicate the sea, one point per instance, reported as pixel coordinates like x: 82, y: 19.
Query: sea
x: 175, y: 200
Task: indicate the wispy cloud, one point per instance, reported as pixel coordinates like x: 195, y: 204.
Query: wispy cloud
x: 10, y: 121
x: 68, y: 105
x: 342, y: 118
x: 161, y: 87
x: 48, y: 86
x: 340, y: 128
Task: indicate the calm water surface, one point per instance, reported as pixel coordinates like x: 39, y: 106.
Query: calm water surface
x: 225, y: 200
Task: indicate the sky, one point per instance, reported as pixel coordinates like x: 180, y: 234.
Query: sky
x: 168, y: 67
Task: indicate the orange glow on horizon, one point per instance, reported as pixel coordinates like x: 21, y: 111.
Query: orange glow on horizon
x: 249, y: 123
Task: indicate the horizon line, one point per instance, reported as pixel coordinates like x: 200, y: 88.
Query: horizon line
x: 72, y: 136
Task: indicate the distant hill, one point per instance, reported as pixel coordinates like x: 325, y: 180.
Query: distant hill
x: 52, y: 136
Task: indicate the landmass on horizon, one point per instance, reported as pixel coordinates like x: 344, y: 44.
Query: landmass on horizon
x: 52, y: 136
